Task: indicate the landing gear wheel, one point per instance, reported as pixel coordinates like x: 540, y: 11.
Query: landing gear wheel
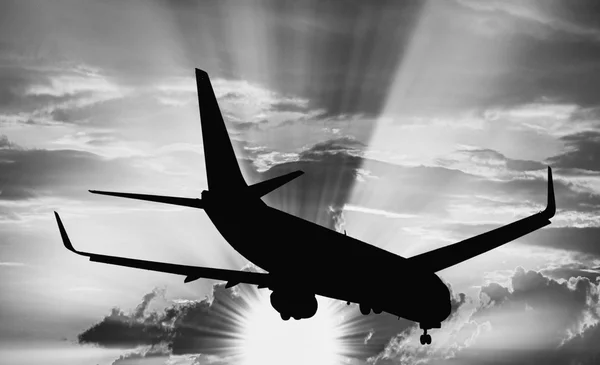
x: 377, y: 310
x: 364, y: 309
x: 285, y: 316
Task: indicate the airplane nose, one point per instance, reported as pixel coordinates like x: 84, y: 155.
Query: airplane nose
x: 444, y: 303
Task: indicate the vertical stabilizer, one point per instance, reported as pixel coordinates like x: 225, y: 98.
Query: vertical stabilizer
x: 222, y: 169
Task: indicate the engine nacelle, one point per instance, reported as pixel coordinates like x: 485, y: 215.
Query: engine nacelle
x: 297, y: 305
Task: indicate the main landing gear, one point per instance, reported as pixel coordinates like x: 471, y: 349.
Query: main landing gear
x: 366, y: 309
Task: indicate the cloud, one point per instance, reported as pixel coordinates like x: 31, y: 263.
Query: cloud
x: 244, y: 126
x: 152, y: 355
x: 571, y: 18
x: 11, y: 264
x: 45, y: 95
x: 534, y: 298
x: 5, y: 144
x: 103, y: 143
x: 574, y: 269
x: 487, y: 162
x: 582, y: 152
x: 187, y: 328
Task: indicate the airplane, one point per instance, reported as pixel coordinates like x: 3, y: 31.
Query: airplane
x: 303, y: 259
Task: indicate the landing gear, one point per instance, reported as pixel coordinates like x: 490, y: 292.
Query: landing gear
x: 285, y: 316
x: 377, y: 310
x: 425, y: 338
x: 364, y: 309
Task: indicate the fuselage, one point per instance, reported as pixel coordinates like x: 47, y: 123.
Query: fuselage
x: 311, y: 257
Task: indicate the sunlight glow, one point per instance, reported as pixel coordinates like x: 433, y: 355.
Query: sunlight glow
x: 268, y: 340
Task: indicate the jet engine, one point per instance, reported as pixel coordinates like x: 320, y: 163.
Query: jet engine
x: 297, y: 305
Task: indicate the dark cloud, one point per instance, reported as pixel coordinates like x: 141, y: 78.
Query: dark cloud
x: 583, y: 152
x: 286, y: 106
x: 347, y: 145
x: 121, y: 330
x: 193, y: 327
x: 244, y: 126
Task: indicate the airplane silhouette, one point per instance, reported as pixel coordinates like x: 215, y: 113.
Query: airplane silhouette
x: 304, y: 259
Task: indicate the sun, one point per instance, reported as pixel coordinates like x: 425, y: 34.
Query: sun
x: 268, y: 340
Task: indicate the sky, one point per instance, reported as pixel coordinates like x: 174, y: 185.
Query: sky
x: 417, y: 124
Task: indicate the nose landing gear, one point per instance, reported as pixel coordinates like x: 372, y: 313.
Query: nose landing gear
x: 425, y: 338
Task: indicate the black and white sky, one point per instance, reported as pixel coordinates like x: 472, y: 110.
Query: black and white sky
x: 417, y: 123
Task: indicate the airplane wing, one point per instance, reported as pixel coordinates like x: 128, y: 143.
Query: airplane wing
x: 451, y: 255
x: 191, y: 273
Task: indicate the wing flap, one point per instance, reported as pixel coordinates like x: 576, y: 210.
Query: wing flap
x: 186, y: 202
x: 451, y: 255
x: 232, y: 277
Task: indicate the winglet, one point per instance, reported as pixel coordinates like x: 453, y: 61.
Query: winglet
x: 65, y: 237
x: 551, y: 207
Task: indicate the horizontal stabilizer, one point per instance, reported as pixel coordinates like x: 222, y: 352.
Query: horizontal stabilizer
x: 267, y: 186
x: 186, y: 202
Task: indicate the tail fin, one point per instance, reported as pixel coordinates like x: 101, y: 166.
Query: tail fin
x: 222, y: 169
